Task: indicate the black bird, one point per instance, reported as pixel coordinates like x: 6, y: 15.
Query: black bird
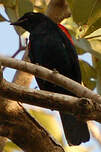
x: 51, y: 48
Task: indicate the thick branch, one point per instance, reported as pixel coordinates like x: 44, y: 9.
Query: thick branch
x: 54, y: 101
x: 19, y: 126
x: 51, y: 76
x: 24, y: 130
x: 84, y: 108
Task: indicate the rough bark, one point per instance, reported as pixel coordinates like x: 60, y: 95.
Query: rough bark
x: 17, y: 125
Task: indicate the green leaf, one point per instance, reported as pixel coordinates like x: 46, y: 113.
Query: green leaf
x: 81, y: 10
x: 96, y: 25
x: 9, y: 3
x: 88, y: 46
x: 96, y: 46
x: 97, y: 66
x: 11, y: 13
x: 88, y: 75
x: 86, y: 12
x: 23, y: 6
x: 10, y: 8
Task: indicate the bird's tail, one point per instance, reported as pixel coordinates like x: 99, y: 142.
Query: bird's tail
x: 76, y: 131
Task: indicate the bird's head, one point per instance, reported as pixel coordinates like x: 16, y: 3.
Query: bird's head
x: 30, y: 20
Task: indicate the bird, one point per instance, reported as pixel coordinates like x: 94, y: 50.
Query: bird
x: 51, y: 46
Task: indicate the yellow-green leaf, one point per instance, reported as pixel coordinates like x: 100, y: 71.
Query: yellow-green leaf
x: 49, y: 122
x: 86, y: 12
x: 23, y: 6
x: 9, y: 3
x: 97, y: 66
x: 81, y: 10
x: 96, y: 25
x: 88, y: 75
x: 96, y: 46
x: 87, y: 46
x: 11, y: 13
x: 10, y: 147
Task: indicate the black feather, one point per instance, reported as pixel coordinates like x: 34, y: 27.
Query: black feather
x: 50, y: 47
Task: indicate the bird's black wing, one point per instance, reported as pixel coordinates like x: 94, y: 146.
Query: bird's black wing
x: 50, y: 48
x: 53, y: 50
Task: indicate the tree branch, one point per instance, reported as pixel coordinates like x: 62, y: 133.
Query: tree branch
x: 51, y: 76
x: 19, y: 126
x: 86, y: 109
x: 50, y: 100
x: 24, y: 130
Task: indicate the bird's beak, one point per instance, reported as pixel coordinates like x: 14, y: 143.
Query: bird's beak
x: 19, y: 22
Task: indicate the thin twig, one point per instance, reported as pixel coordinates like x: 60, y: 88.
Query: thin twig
x: 21, y: 48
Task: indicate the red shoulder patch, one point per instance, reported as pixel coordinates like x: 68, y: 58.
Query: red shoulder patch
x: 66, y: 32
